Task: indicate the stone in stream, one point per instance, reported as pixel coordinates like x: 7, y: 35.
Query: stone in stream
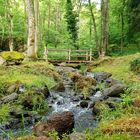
x: 102, y: 76
x: 60, y: 122
x: 84, y: 104
x: 45, y: 91
x: 114, y: 91
x: 59, y: 88
x: 110, y: 82
x: 9, y: 98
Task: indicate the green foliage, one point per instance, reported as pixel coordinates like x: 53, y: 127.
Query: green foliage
x: 4, y: 112
x: 134, y: 18
x: 135, y: 65
x: 71, y: 21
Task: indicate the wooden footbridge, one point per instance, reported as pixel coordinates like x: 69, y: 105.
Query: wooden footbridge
x: 68, y: 55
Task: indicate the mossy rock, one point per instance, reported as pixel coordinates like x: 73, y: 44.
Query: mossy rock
x: 135, y: 65
x: 15, y: 57
x: 31, y: 100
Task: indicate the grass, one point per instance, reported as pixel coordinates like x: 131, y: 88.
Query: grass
x: 28, y: 73
x: 120, y: 69
x: 126, y: 113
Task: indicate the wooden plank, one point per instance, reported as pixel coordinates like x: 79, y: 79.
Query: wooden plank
x: 67, y: 61
x: 60, y: 50
x: 79, y: 50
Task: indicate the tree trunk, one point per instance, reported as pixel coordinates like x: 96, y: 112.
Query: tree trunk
x: 36, y: 14
x: 31, y: 52
x: 122, y: 26
x: 104, y: 27
x: 10, y: 25
x: 94, y: 24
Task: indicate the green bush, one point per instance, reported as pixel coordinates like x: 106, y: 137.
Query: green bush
x: 135, y: 65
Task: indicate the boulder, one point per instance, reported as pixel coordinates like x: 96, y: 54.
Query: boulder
x: 114, y: 91
x: 83, y: 82
x: 59, y: 88
x: 99, y: 107
x: 11, y: 58
x: 102, y: 76
x: 9, y: 98
x: 110, y: 82
x: 60, y: 122
x: 84, y: 104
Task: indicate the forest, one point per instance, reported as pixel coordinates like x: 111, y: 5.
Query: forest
x: 69, y: 69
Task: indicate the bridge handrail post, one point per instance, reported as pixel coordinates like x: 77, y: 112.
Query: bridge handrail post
x: 46, y: 54
x: 86, y: 55
x: 90, y: 54
x: 69, y: 55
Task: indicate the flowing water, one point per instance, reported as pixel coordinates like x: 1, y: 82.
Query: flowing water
x: 70, y: 101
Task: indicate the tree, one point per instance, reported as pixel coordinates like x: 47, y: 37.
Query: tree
x: 71, y: 22
x: 10, y: 24
x: 32, y: 13
x: 94, y: 24
x: 104, y: 27
x: 134, y: 18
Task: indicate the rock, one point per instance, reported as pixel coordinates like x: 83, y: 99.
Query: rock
x: 33, y: 100
x: 99, y: 107
x: 45, y: 91
x: 114, y: 91
x: 102, y: 76
x: 115, y: 99
x: 84, y: 104
x: 83, y: 82
x: 12, y: 58
x: 110, y: 82
x: 9, y: 98
x: 77, y: 98
x: 59, y: 88
x: 60, y: 122
x: 77, y: 136
x: 17, y: 87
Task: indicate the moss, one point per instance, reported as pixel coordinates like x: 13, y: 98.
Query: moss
x: 4, y: 113
x: 33, y: 101
x: 10, y: 56
x: 82, y: 83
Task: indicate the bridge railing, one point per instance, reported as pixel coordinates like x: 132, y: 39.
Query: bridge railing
x: 70, y: 55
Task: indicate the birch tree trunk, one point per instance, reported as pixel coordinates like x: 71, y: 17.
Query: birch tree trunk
x: 104, y: 27
x: 31, y: 51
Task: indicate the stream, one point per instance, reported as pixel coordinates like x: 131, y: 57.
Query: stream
x: 68, y: 101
